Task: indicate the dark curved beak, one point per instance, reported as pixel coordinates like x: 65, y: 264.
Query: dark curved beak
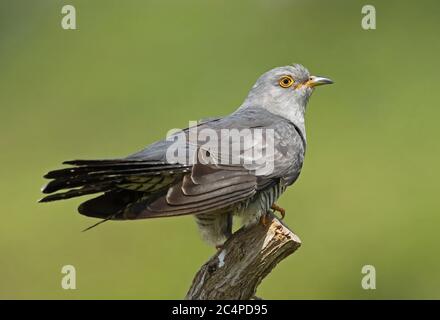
x: 315, y: 81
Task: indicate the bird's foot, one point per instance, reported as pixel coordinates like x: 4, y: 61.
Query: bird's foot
x: 264, y: 220
x: 219, y: 247
x: 277, y: 208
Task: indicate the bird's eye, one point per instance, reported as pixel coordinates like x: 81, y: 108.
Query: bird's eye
x: 286, y: 81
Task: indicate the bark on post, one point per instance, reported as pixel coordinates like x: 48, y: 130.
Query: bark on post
x: 236, y: 270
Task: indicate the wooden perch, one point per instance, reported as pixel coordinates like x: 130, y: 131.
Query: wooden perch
x: 237, y: 269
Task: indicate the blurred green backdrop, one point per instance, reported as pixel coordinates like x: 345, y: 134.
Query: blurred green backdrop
x: 133, y: 69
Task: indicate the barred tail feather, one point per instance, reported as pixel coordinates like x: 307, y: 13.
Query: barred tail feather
x: 94, y: 176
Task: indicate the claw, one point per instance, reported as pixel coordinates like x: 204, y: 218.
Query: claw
x: 263, y: 220
x: 277, y: 208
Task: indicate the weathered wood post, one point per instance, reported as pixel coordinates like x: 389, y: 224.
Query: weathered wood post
x: 237, y: 269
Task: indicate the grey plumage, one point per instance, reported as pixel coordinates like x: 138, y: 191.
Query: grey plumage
x: 147, y: 185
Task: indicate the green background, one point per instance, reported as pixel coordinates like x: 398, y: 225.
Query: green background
x: 368, y: 193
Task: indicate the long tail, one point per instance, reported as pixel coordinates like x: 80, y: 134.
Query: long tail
x: 95, y: 176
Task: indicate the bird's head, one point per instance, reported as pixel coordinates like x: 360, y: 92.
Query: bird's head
x: 284, y: 90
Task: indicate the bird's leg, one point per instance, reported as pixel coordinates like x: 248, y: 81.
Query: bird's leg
x: 276, y: 208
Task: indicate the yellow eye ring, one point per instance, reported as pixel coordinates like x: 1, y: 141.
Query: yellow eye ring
x: 286, y: 81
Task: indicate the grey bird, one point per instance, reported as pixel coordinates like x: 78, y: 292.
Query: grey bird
x: 147, y: 184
